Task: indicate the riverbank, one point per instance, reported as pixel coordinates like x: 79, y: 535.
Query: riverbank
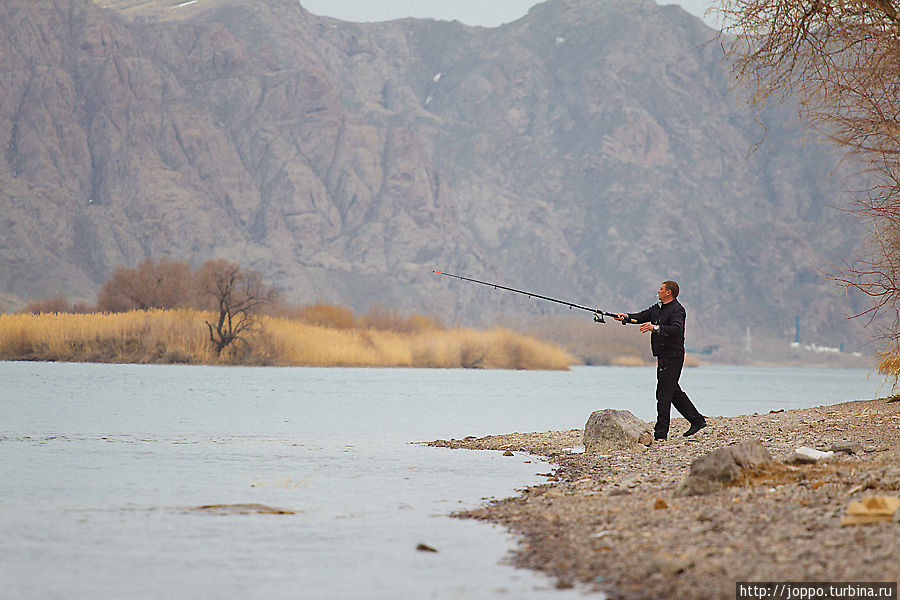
x: 613, y: 523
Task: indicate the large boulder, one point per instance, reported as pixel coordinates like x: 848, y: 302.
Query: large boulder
x: 721, y: 466
x: 609, y: 430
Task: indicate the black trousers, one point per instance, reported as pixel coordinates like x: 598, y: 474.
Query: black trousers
x: 669, y: 393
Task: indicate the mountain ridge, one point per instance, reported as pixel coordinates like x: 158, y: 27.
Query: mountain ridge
x: 587, y: 150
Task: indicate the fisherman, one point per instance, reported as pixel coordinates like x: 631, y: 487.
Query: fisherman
x: 665, y: 321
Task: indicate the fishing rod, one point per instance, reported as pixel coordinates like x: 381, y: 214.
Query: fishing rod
x: 598, y: 314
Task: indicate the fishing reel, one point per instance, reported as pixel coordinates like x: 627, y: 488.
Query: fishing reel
x: 598, y: 318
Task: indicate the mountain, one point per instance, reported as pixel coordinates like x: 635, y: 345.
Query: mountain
x: 586, y: 151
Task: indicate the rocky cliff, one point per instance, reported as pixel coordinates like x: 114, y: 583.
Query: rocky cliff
x: 587, y: 151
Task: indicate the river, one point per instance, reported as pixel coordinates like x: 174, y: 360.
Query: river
x: 104, y: 467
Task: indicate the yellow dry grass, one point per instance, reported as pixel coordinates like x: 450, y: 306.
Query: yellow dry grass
x: 180, y: 336
x: 300, y: 343
x: 889, y: 365
x: 138, y: 336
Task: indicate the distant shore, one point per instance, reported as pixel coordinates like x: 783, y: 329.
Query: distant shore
x: 612, y: 523
x: 181, y: 336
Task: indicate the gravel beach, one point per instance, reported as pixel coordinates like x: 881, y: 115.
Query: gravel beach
x: 613, y: 522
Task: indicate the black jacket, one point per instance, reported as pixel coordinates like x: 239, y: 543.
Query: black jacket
x: 669, y: 340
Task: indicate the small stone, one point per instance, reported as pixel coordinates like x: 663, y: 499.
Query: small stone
x: 425, y: 548
x: 660, y: 504
x: 508, y: 453
x: 812, y: 453
x: 242, y: 509
x: 846, y: 448
x: 800, y: 459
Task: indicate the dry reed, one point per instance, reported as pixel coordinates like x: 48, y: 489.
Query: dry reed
x: 889, y: 365
x: 180, y: 336
x: 154, y: 336
x: 298, y: 343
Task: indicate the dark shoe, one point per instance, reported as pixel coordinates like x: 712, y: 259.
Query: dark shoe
x: 695, y: 427
x: 659, y: 438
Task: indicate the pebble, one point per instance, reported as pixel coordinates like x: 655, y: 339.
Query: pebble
x: 612, y: 523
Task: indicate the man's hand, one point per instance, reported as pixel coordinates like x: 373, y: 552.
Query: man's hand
x: 620, y: 317
x: 645, y: 327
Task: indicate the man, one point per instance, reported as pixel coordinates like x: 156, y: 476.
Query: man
x: 665, y: 322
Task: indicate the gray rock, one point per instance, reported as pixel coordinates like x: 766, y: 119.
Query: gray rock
x: 800, y: 459
x: 722, y: 465
x: 611, y: 429
x: 846, y: 448
x: 241, y: 509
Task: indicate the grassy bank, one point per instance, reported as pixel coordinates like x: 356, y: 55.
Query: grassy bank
x: 180, y: 336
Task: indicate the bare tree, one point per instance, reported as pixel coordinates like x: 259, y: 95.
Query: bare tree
x: 840, y: 60
x: 151, y: 284
x: 235, y: 295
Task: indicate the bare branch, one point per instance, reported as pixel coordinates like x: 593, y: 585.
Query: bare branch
x: 236, y: 294
x: 840, y: 60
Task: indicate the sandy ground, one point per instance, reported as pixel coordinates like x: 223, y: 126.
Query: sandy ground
x: 612, y: 522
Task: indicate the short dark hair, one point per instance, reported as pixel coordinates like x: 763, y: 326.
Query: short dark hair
x: 672, y: 287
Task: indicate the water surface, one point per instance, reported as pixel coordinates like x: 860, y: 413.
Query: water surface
x: 103, y: 464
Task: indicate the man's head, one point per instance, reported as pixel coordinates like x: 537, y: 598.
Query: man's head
x: 668, y: 291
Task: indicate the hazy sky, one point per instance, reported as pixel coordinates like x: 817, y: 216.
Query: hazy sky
x: 488, y: 13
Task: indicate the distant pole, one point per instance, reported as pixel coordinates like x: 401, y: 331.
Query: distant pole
x: 797, y: 330
x: 747, y: 346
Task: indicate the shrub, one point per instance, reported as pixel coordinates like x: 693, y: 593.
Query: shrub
x: 151, y: 284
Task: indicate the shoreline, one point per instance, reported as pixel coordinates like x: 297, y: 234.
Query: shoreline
x: 613, y: 523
